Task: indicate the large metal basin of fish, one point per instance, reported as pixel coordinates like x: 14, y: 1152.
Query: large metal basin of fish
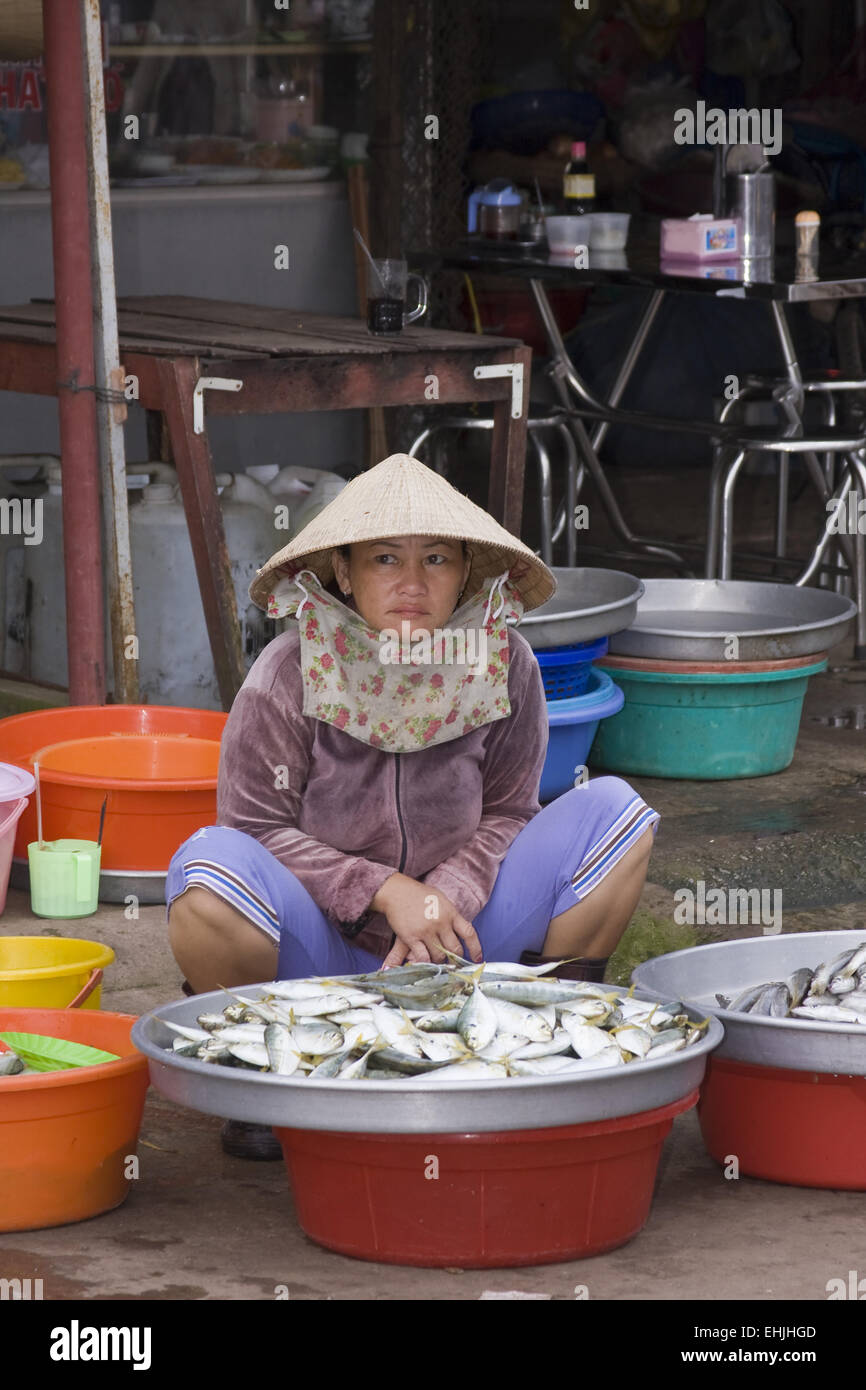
x: 697, y: 974
x: 407, y: 1107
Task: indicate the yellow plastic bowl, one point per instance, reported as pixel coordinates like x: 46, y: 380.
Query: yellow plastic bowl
x: 47, y: 972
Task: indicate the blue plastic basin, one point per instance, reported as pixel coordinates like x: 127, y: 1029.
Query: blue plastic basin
x: 573, y: 726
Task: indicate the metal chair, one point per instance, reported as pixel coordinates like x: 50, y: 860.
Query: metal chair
x: 536, y: 427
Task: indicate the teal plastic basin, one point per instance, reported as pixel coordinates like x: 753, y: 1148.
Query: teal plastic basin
x: 704, y: 726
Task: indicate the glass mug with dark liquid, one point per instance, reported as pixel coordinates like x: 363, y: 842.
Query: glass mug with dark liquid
x: 386, y: 297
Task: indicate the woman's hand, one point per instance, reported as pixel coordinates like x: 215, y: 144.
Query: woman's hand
x: 424, y: 922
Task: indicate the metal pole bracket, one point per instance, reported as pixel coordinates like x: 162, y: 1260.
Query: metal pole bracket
x: 209, y: 383
x: 515, y: 371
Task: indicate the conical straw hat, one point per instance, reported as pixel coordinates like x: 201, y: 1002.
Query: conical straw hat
x: 403, y: 497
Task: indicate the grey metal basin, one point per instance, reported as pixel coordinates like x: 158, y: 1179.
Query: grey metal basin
x: 690, y: 620
x: 695, y: 975
x: 407, y: 1107
x: 588, y: 604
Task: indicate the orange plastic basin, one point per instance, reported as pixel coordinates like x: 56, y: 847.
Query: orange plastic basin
x: 66, y: 1136
x: 157, y: 795
x: 155, y: 762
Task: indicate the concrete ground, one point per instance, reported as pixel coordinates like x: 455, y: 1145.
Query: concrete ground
x: 200, y: 1225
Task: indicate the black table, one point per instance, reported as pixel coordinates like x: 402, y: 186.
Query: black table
x: 775, y: 282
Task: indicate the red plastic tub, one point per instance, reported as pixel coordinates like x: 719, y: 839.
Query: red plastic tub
x: 525, y: 1197
x: 804, y: 1128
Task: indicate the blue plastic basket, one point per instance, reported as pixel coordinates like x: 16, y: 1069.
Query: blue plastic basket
x: 565, y: 671
x: 573, y: 725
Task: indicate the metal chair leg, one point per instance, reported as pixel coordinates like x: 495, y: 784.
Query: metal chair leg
x: 573, y: 477
x: 727, y: 537
x: 782, y: 506
x: 545, y: 488
x: 714, y: 508
x: 859, y: 470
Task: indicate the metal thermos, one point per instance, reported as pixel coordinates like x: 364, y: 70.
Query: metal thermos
x: 752, y: 199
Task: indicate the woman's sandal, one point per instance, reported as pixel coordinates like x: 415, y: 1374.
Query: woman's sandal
x: 238, y: 1137
x: 243, y: 1140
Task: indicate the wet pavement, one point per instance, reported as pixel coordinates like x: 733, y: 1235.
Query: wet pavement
x: 200, y: 1225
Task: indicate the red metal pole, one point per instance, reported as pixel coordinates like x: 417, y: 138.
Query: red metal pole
x: 79, y: 447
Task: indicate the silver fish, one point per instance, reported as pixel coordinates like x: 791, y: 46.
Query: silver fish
x: 352, y: 1071
x: 477, y: 1022
x: 443, y: 1047
x: 191, y: 1034
x: 283, y: 1055
x: 634, y: 1039
x: 744, y: 1001
x: 514, y: 1018
x: 773, y: 1001
x: 10, y: 1064
x: 397, y: 1030
x: 825, y: 973
x: 329, y: 1066
x: 586, y: 1038
x: 798, y: 985
x: 253, y: 1054
x: 211, y: 1021
x: 436, y: 1021
x: 560, y: 1042
x: 475, y: 1070
x: 504, y: 1045
x: 317, y: 1039
x: 842, y: 984
x: 241, y: 1033
x: 392, y: 1060
x: 529, y: 992
x: 831, y: 1013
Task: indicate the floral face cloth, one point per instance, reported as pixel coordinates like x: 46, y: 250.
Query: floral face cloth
x: 391, y: 690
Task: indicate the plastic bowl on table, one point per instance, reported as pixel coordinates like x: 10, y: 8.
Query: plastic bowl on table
x: 566, y: 234
x: 573, y: 726
x: 66, y: 1136
x: 705, y: 725
x: 149, y: 813
x: 48, y: 972
x: 787, y: 1096
x: 609, y: 231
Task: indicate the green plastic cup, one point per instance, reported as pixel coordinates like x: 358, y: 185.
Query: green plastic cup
x: 64, y: 877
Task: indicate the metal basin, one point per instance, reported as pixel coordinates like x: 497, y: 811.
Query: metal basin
x: 407, y: 1107
x: 588, y: 603
x: 691, y: 620
x: 695, y: 975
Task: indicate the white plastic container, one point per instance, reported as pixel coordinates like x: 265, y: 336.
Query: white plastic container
x: 609, y: 231
x: 175, y: 662
x: 566, y: 234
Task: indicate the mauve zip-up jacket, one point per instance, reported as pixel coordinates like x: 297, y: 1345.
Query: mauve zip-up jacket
x: 344, y: 816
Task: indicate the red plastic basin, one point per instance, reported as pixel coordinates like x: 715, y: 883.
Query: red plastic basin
x: 804, y: 1128
x: 525, y: 1197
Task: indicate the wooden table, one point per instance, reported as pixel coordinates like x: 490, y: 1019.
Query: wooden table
x: 288, y: 361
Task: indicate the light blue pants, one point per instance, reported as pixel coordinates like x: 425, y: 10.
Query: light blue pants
x: 558, y: 858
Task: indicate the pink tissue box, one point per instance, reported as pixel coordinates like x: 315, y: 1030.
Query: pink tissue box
x: 700, y: 238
